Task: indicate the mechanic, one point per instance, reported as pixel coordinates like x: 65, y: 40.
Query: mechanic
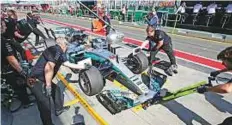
x: 152, y: 19
x: 123, y: 12
x: 96, y: 25
x: 11, y: 69
x: 157, y: 40
x: 106, y: 19
x: 11, y: 33
x: 40, y: 79
x: 226, y: 57
x: 33, y: 22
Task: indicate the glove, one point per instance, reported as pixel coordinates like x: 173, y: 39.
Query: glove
x: 47, y: 90
x: 214, y: 74
x: 139, y: 48
x: 23, y: 74
x: 31, y: 81
x: 202, y: 89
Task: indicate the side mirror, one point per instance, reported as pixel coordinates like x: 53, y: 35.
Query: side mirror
x: 136, y: 50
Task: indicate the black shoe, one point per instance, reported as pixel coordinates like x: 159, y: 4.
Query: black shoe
x: 174, y: 69
x: 28, y: 105
x: 58, y: 112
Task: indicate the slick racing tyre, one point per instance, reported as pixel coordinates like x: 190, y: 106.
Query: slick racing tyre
x: 138, y: 62
x: 91, y: 81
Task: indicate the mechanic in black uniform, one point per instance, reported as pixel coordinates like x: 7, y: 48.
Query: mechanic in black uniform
x: 11, y: 69
x: 41, y: 77
x: 106, y: 19
x: 11, y: 32
x: 33, y: 21
x: 226, y: 57
x: 157, y: 40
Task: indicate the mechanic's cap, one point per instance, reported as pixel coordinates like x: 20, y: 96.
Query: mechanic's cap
x: 61, y: 41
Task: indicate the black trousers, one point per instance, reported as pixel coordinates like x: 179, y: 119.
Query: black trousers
x: 184, y: 16
x: 123, y: 17
x: 107, y: 30
x: 38, y: 33
x: 36, y: 39
x: 19, y: 86
x: 44, y: 102
x: 211, y: 19
x: 168, y: 49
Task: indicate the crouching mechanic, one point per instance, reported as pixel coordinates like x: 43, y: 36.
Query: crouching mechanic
x: 157, y: 40
x: 40, y: 79
x: 226, y: 57
x: 11, y: 69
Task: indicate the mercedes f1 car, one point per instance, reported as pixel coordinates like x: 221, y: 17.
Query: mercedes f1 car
x: 144, y: 88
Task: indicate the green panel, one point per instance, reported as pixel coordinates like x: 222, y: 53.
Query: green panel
x: 183, y: 92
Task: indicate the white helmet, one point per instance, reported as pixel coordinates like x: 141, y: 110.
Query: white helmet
x: 114, y: 37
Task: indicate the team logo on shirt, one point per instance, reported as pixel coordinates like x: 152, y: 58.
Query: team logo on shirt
x: 8, y: 47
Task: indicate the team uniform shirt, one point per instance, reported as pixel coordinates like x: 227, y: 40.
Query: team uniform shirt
x: 229, y: 8
x: 7, y: 50
x: 212, y: 8
x: 159, y: 36
x: 52, y: 54
x: 197, y: 8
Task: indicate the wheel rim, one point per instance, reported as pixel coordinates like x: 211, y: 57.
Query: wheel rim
x: 84, y: 83
x: 136, y: 65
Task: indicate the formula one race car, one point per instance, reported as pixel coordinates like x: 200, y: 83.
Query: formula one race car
x: 144, y: 88
x: 102, y: 62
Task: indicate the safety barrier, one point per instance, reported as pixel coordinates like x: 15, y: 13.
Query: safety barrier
x: 176, y: 20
